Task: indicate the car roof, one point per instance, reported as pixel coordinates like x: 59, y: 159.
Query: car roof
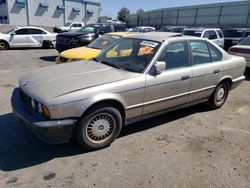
x: 200, y: 29
x: 29, y: 27
x: 237, y: 29
x: 122, y: 34
x: 155, y: 36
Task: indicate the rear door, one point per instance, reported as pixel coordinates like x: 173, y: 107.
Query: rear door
x: 37, y: 37
x: 171, y: 87
x: 207, y: 69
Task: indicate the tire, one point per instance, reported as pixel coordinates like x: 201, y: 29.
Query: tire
x: 99, y: 128
x: 219, y: 96
x: 3, y: 45
x: 46, y: 45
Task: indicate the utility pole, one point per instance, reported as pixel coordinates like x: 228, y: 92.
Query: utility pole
x: 27, y: 12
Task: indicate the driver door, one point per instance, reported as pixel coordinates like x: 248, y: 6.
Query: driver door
x: 171, y: 87
x: 20, y: 38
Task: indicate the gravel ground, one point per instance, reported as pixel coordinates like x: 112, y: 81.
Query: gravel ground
x: 192, y: 147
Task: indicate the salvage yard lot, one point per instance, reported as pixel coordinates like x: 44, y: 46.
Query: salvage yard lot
x: 192, y: 147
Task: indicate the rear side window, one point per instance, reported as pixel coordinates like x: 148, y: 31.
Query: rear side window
x: 216, y: 55
x: 175, y: 55
x: 200, y: 52
x: 220, y: 33
x: 36, y: 32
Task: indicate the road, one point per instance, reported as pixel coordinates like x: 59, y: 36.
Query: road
x: 192, y: 147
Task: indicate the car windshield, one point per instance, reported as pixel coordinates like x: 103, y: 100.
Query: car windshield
x: 89, y: 29
x: 234, y: 33
x: 245, y: 42
x: 132, y: 55
x: 192, y: 33
x: 103, y: 42
x: 68, y: 24
x: 8, y: 32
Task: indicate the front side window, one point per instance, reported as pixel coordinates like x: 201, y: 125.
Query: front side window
x: 175, y: 55
x: 129, y: 54
x: 200, y: 52
x: 103, y: 42
x: 22, y: 32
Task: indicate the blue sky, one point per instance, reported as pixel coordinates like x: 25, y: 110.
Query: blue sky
x: 111, y: 7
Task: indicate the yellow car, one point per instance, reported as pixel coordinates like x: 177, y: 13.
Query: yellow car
x: 91, y: 50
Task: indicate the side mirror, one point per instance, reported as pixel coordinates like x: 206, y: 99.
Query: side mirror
x: 159, y: 67
x: 13, y: 33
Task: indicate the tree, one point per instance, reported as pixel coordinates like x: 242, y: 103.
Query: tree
x: 140, y: 13
x: 123, y: 14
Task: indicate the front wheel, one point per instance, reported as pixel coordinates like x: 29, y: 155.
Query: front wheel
x: 4, y: 45
x: 219, y: 96
x: 99, y: 128
x: 46, y: 45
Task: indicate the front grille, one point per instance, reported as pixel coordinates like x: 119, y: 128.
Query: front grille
x: 25, y: 99
x: 62, y: 40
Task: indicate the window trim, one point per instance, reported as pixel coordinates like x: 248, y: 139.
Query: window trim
x: 191, y: 54
x: 187, y: 53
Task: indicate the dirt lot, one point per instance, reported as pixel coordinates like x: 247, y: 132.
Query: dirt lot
x: 193, y: 147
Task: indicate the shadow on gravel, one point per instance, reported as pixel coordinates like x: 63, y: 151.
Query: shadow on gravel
x: 20, y: 149
x: 247, y: 74
x: 48, y: 58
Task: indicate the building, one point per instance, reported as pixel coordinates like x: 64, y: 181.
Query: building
x: 48, y: 12
x: 229, y: 14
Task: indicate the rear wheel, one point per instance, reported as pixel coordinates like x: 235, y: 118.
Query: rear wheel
x: 4, y: 45
x: 46, y: 45
x: 219, y: 96
x: 99, y: 128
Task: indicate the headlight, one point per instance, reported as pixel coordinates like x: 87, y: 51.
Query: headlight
x: 33, y: 104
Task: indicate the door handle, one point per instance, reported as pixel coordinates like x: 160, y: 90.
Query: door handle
x: 185, y: 77
x: 216, y: 71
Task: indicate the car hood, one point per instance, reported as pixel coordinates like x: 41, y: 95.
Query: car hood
x: 50, y: 82
x: 80, y: 53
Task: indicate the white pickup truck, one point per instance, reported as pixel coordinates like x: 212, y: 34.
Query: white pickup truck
x: 70, y: 26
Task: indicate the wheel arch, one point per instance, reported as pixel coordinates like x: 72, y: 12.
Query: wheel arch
x: 5, y: 41
x: 107, y: 103
x: 227, y: 79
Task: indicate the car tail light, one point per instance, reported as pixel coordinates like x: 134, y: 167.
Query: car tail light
x: 239, y: 50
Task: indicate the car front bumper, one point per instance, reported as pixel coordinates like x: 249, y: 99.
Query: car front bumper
x: 49, y: 131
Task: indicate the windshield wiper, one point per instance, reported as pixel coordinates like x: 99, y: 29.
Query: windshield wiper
x: 95, y: 59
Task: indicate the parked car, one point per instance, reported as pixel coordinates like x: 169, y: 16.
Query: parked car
x: 142, y: 29
x: 84, y: 36
x: 138, y: 77
x: 20, y: 37
x: 234, y: 35
x: 70, y: 26
x: 242, y: 49
x: 213, y: 34
x: 91, y: 50
x: 175, y: 29
x: 115, y: 22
